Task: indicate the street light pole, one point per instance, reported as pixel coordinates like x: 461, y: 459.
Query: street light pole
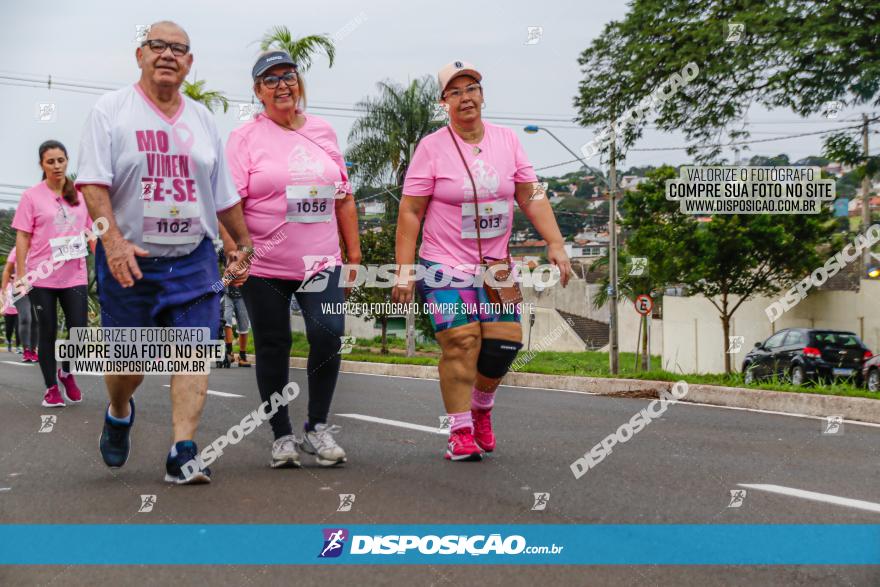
x: 613, y: 355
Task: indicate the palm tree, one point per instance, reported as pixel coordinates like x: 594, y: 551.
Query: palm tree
x: 629, y: 287
x: 302, y: 49
x: 210, y: 98
x: 383, y: 140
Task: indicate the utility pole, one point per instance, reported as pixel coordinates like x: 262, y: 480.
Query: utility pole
x: 612, y: 258
x: 410, y: 313
x: 866, y: 193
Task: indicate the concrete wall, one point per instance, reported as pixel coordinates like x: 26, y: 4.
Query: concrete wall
x: 550, y: 333
x: 628, y: 330
x: 576, y: 298
x: 693, y: 338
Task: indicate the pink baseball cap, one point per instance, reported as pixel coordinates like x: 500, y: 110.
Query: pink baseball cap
x: 450, y: 71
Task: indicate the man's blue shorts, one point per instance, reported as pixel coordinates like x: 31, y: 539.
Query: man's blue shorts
x: 174, y: 291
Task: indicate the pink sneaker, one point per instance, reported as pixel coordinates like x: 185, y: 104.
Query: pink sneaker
x: 461, y: 446
x: 483, y: 435
x: 53, y: 398
x: 26, y: 356
x: 71, y: 389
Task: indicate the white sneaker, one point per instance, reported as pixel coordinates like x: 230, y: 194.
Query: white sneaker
x: 321, y: 444
x: 284, y: 452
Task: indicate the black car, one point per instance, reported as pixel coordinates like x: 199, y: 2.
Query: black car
x: 802, y: 355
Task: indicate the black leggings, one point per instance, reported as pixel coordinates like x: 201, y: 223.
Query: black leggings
x: 74, y: 303
x: 11, y: 321
x: 268, y: 305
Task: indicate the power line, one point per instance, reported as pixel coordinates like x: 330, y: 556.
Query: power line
x: 748, y: 142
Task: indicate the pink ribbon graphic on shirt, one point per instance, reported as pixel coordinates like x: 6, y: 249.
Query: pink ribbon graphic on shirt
x: 184, y: 142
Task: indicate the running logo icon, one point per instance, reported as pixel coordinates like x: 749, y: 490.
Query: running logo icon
x: 735, y: 31
x: 46, y: 112
x: 541, y: 501
x: 638, y: 266
x: 832, y: 425
x: 346, y: 500
x: 318, y: 268
x: 334, y: 542
x: 735, y: 344
x: 737, y: 496
x: 147, y: 503
x: 534, y: 35
x: 347, y: 344
x: 446, y: 422
x: 47, y: 423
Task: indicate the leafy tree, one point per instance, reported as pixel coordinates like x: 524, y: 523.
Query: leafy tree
x: 382, y: 141
x: 585, y: 190
x: 377, y: 248
x: 732, y: 258
x: 571, y: 215
x: 301, y: 50
x: 796, y: 54
x: 762, y: 161
x: 210, y: 98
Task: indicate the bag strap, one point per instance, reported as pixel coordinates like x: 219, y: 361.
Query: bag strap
x: 474, y: 186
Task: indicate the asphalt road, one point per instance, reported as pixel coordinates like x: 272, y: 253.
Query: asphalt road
x: 679, y: 469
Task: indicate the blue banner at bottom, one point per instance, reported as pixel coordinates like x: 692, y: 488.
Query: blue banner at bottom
x: 430, y: 544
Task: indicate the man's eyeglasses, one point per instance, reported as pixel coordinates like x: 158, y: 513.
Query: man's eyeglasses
x: 272, y: 81
x: 457, y: 93
x: 159, y: 46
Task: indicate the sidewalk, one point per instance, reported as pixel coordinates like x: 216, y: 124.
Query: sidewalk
x: 810, y: 404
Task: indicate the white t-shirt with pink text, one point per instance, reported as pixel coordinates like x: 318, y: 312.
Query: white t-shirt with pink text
x: 167, y: 176
x: 56, y: 230
x: 289, y: 182
x: 449, y: 234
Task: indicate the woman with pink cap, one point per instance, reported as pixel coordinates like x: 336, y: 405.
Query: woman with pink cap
x: 463, y: 181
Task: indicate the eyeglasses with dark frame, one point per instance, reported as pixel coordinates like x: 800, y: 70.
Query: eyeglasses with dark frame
x: 271, y: 81
x: 159, y: 46
x: 469, y: 90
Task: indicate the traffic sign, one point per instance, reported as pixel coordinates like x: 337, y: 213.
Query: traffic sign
x: 644, y: 304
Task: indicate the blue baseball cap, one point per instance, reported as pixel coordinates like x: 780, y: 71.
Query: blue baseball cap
x: 269, y: 60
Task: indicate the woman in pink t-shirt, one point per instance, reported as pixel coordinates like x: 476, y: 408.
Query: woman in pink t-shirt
x: 51, y: 252
x: 26, y: 317
x: 479, y: 340
x: 291, y: 177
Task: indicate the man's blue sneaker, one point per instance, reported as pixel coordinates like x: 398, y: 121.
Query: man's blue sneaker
x: 115, y: 440
x: 187, y: 467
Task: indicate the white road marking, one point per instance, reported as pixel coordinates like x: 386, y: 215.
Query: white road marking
x: 218, y: 393
x: 397, y: 423
x: 813, y: 496
x: 5, y: 488
x: 18, y: 364
x: 683, y: 403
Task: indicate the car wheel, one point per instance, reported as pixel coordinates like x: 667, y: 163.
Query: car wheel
x: 748, y: 375
x: 874, y: 380
x: 798, y: 377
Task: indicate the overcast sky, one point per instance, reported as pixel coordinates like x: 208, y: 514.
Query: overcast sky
x: 93, y: 42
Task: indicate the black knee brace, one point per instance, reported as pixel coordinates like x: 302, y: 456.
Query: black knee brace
x: 496, y: 356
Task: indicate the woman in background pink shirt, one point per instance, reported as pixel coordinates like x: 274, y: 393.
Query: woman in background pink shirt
x: 479, y: 342
x: 26, y: 317
x: 50, y: 220
x: 291, y: 177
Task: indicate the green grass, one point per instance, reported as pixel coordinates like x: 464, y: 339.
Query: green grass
x: 584, y: 364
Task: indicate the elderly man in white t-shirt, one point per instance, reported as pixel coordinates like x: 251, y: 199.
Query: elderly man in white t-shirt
x: 152, y: 163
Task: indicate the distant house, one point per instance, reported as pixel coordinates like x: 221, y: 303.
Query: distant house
x: 629, y: 183
x: 837, y: 169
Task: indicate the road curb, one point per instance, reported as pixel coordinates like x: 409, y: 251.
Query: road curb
x: 810, y: 404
